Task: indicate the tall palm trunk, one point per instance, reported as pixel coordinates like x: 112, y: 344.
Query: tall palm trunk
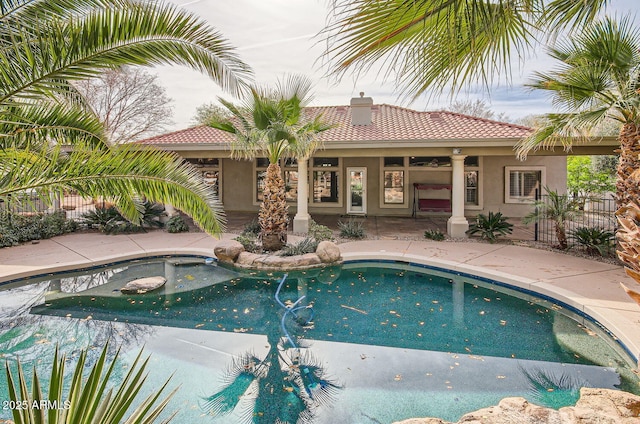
x: 561, y: 235
x: 628, y: 197
x: 273, y: 216
x: 627, y: 187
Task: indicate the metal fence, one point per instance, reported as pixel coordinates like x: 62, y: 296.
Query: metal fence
x: 72, y: 204
x: 587, y: 212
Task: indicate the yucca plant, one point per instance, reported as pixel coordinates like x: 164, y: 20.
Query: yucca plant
x: 594, y: 240
x: 307, y: 245
x: 352, y: 229
x: 88, y: 399
x: 490, y: 226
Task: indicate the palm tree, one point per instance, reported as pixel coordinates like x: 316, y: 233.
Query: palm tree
x: 599, y: 80
x: 428, y: 44
x: 559, y: 209
x: 50, y: 140
x: 273, y: 123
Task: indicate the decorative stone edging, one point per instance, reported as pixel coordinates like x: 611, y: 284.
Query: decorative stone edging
x: 594, y: 406
x: 232, y: 252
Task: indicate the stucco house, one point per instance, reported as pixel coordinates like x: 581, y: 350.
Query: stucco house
x: 385, y: 160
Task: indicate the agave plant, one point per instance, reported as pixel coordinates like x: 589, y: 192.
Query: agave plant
x: 594, y: 240
x: 110, y: 221
x: 491, y: 226
x: 87, y: 399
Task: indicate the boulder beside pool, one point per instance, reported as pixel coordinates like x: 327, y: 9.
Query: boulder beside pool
x: 143, y: 285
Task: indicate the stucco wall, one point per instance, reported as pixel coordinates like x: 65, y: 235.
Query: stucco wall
x: 238, y: 185
x: 493, y: 178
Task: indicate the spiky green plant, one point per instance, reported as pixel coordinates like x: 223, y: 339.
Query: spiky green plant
x: 352, y: 229
x: 306, y: 245
x: 490, y: 226
x: 86, y: 398
x: 435, y: 235
x: 110, y: 221
x: 594, y: 240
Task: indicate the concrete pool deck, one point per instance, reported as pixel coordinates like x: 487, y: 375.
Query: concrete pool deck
x: 587, y: 285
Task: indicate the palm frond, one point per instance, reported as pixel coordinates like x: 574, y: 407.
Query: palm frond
x: 122, y: 173
x: 272, y: 122
x: 573, y: 14
x: 596, y: 80
x: 78, y: 46
x: 429, y: 43
x: 31, y: 124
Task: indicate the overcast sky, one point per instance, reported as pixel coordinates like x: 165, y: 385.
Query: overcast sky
x: 276, y: 37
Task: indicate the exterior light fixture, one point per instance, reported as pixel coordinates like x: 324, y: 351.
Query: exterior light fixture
x: 457, y: 151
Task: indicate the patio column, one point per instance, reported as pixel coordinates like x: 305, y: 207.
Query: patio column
x: 302, y: 218
x: 457, y: 225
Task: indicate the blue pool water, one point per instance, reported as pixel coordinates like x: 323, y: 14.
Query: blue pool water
x: 366, y: 343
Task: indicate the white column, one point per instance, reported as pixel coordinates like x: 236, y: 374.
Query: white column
x: 302, y: 218
x: 457, y: 225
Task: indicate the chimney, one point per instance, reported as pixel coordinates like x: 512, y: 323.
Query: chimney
x: 361, y: 110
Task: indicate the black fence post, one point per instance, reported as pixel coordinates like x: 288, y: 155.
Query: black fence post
x: 535, y: 225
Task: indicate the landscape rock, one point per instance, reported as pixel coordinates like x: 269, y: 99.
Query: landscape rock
x: 276, y: 262
x: 143, y: 285
x: 246, y: 259
x: 228, y: 250
x: 232, y: 252
x: 328, y: 252
x: 594, y: 406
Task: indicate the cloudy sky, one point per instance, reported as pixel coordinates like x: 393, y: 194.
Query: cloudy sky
x: 276, y: 37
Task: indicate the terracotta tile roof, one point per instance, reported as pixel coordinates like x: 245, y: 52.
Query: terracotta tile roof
x: 389, y: 123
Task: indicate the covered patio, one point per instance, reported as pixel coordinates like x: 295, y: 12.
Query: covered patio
x: 382, y: 227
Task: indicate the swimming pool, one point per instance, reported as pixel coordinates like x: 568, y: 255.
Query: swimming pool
x: 369, y: 341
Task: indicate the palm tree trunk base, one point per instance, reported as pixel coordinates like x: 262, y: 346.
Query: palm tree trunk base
x: 273, y: 241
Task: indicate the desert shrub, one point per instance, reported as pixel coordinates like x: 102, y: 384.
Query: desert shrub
x: 307, y: 245
x: 434, y: 235
x: 109, y: 221
x: 352, y: 229
x: 491, y: 226
x: 319, y: 232
x: 249, y: 243
x: 595, y: 241
x: 177, y: 224
x: 17, y: 228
